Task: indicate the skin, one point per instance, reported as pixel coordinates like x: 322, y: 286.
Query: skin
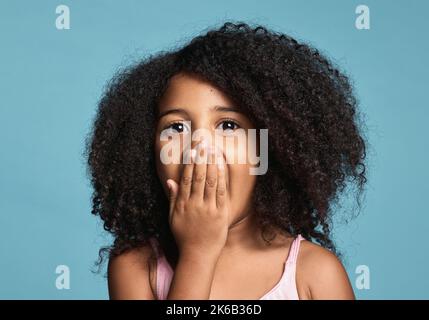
x: 222, y: 255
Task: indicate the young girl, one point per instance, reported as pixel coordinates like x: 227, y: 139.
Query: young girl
x: 206, y: 228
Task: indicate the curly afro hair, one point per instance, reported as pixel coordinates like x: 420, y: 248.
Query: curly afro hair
x: 308, y: 106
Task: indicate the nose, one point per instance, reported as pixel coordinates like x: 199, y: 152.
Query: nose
x: 215, y: 145
x: 202, y: 140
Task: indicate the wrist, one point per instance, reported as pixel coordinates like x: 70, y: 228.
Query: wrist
x: 199, y: 256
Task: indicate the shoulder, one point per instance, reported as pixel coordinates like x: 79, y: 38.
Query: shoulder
x: 130, y: 274
x: 320, y: 274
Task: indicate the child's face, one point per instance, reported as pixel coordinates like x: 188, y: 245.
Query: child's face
x: 196, y: 100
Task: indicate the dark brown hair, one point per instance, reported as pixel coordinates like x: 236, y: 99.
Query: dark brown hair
x: 306, y: 103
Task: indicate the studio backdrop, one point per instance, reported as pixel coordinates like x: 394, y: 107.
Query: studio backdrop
x: 56, y: 60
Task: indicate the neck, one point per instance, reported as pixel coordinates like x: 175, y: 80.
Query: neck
x: 243, y: 232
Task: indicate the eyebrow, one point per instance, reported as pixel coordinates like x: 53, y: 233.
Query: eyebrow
x: 214, y: 108
x: 226, y: 109
x: 175, y: 110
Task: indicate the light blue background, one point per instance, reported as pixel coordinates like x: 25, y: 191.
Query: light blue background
x: 50, y: 81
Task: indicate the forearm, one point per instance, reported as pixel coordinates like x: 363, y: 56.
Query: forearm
x: 192, y: 278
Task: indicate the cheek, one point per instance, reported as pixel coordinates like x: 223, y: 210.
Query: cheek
x: 169, y: 171
x: 238, y: 166
x: 166, y: 170
x: 235, y: 150
x: 241, y: 183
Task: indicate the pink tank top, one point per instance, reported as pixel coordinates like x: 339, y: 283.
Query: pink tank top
x: 285, y: 289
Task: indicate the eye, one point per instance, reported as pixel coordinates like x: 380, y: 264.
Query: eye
x: 228, y: 126
x: 176, y: 127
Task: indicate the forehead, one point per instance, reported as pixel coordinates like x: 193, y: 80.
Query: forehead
x: 190, y: 91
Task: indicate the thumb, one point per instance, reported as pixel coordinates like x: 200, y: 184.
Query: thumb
x: 173, y: 188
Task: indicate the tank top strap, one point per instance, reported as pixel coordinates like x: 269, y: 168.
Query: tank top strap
x: 293, y: 254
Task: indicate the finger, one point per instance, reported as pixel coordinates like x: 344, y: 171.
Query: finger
x: 186, y: 179
x: 200, y: 169
x: 221, y: 183
x: 173, y: 188
x: 211, y: 178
